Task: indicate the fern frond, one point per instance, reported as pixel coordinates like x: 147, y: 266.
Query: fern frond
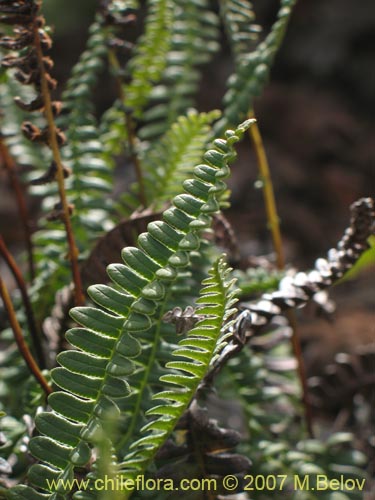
x: 296, y: 291
x: 252, y: 71
x: 170, y: 161
x: 149, y: 61
x: 197, y: 350
x: 93, y: 377
x: 238, y: 17
x: 194, y: 38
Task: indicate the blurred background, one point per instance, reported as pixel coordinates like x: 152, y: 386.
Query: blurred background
x: 316, y: 118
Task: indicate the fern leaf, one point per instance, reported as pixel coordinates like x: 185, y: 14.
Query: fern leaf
x: 149, y: 61
x: 238, y: 17
x: 216, y: 296
x: 169, y: 162
x: 252, y: 71
x: 193, y: 42
x: 140, y: 285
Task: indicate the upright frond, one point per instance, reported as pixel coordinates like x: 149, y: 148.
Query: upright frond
x: 192, y: 359
x: 149, y: 60
x: 169, y: 162
x: 194, y: 41
x: 239, y: 21
x: 252, y: 70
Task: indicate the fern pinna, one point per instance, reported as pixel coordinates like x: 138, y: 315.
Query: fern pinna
x: 93, y: 377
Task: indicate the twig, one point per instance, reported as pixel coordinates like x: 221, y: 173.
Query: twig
x: 301, y: 370
x: 129, y: 128
x: 268, y: 192
x: 24, y: 350
x: 21, y: 203
x: 34, y: 333
x: 73, y: 251
x: 274, y: 227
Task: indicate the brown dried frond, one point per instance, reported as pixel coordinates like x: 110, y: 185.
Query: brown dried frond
x: 30, y: 66
x: 349, y: 375
x: 56, y: 107
x: 297, y: 290
x: 36, y: 104
x: 58, y: 212
x: 18, y: 7
x: 50, y: 175
x: 108, y: 248
x: 33, y: 133
x: 22, y: 41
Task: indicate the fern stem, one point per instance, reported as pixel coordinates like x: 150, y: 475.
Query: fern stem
x: 301, y: 370
x: 21, y: 203
x: 129, y: 128
x: 34, y: 333
x: 24, y: 350
x: 73, y: 250
x: 274, y: 226
x: 268, y: 192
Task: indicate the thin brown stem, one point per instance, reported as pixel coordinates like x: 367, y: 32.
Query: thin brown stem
x: 274, y: 226
x: 130, y: 130
x: 22, y: 346
x: 73, y: 250
x: 34, y: 333
x: 10, y: 167
x: 301, y: 370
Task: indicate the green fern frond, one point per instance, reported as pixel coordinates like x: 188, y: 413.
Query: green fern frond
x: 91, y: 177
x: 252, y: 71
x: 194, y: 354
x: 84, y: 76
x: 158, y: 344
x: 170, y: 161
x: 256, y: 280
x: 238, y: 17
x: 195, y: 32
x: 265, y: 400
x: 93, y: 377
x: 113, y: 133
x: 149, y: 61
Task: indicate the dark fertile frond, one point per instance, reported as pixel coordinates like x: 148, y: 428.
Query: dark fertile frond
x: 296, y: 291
